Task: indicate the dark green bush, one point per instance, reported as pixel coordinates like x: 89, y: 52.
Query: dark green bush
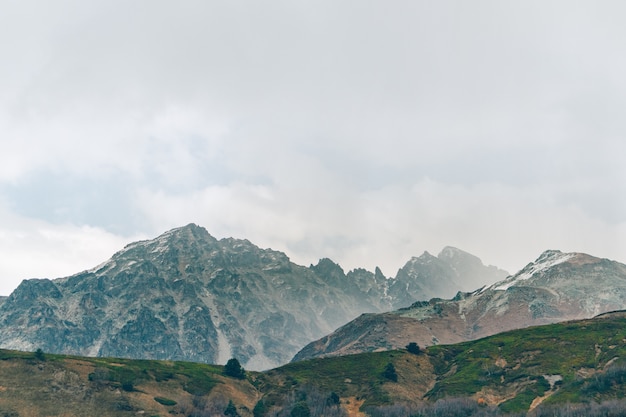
x: 128, y: 386
x: 260, y: 409
x: 333, y: 399
x: 413, y: 348
x: 390, y: 373
x: 39, y: 355
x: 165, y: 401
x: 234, y: 369
x: 301, y: 409
x: 231, y: 410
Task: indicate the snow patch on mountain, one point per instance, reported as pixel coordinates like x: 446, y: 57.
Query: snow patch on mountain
x: 546, y: 261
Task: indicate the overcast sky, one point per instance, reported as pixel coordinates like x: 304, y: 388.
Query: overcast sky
x: 362, y: 131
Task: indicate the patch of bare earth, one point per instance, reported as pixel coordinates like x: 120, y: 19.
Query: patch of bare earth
x: 491, y: 396
x: 501, y: 363
x: 552, y: 380
x: 144, y: 397
x: 352, y: 407
x: 539, y: 400
x: 38, y: 389
x: 586, y: 372
x: 242, y: 393
x: 82, y: 368
x: 415, y: 379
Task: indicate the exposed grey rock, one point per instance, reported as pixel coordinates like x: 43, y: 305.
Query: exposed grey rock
x: 188, y: 296
x: 556, y: 287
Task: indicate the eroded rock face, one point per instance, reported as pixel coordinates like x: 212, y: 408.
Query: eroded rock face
x: 188, y: 296
x: 556, y: 287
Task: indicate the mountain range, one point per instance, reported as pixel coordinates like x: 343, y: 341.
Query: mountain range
x: 554, y: 288
x: 189, y: 296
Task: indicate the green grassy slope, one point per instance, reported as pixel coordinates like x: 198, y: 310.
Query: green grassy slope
x: 556, y: 361
x: 574, y: 362
x: 60, y: 385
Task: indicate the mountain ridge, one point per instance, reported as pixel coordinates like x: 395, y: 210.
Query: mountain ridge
x: 186, y: 295
x: 556, y: 287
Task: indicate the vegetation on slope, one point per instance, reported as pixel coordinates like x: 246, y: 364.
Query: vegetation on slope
x: 539, y: 368
x: 45, y: 384
x: 562, y: 369
x: 559, y: 360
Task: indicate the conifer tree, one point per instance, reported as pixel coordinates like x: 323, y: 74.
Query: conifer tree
x: 233, y: 368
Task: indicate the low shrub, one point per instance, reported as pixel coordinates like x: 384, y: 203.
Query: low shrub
x: 165, y: 401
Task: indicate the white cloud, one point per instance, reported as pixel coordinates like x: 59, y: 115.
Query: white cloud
x: 366, y: 133
x: 506, y: 226
x: 36, y: 249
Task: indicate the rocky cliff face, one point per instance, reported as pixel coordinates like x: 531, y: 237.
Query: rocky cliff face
x: 556, y: 287
x: 188, y: 296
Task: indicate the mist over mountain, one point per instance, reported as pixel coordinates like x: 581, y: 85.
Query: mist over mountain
x: 556, y: 287
x: 188, y: 296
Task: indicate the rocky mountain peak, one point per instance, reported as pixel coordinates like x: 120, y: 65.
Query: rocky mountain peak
x: 535, y: 272
x: 31, y: 289
x: 326, y: 265
x: 456, y: 256
x: 173, y: 251
x: 426, y: 275
x: 330, y: 271
x: 189, y: 234
x: 416, y: 262
x: 470, y: 269
x: 186, y: 295
x: 379, y: 275
x: 449, y: 252
x: 554, y: 257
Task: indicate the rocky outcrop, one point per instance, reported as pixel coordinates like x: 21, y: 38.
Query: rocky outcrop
x: 556, y: 287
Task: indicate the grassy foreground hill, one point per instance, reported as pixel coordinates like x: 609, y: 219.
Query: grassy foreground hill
x: 559, y: 369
